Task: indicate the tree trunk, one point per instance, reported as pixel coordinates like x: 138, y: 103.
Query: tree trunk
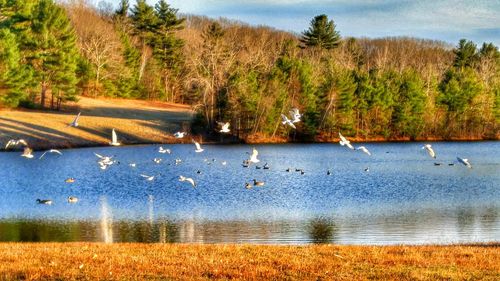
x: 43, y: 93
x: 52, y: 100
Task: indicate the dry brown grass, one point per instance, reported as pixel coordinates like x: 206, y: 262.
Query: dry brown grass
x: 95, y: 261
x: 135, y: 122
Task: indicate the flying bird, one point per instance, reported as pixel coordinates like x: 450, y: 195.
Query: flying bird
x: 343, y: 141
x: 253, y: 156
x: 285, y: 120
x: 148, y: 178
x: 224, y: 127
x: 294, y: 113
x: 179, y: 135
x: 28, y: 153
x: 364, y: 149
x: 157, y: 160
x: 190, y: 180
x: 163, y: 150
x: 51, y: 151
x: 16, y: 143
x: 198, y: 146
x: 114, y: 139
x: 72, y: 199
x: 75, y: 121
x: 429, y: 149
x: 465, y: 162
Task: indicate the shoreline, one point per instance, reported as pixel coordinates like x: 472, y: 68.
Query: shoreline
x: 91, y: 261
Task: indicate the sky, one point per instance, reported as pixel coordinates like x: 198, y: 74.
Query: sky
x: 446, y: 20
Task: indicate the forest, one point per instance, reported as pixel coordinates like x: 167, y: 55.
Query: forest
x: 397, y: 88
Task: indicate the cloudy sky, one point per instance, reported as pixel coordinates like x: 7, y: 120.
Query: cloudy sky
x: 447, y: 20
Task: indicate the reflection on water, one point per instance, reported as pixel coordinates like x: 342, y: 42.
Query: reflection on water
x: 415, y: 228
x: 404, y: 198
x: 106, y: 222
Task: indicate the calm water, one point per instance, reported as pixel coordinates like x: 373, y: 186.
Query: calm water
x: 403, y: 198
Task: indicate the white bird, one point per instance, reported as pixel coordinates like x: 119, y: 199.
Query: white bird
x: 132, y: 165
x: 72, y: 199
x: 294, y: 113
x: 429, y: 149
x: 114, y: 139
x: 343, y: 141
x: 364, y: 149
x: 163, y: 150
x: 285, y: 120
x: 157, y: 160
x: 224, y: 163
x: 75, y: 121
x: 178, y: 161
x: 190, y: 180
x: 224, y: 127
x: 51, y: 151
x: 148, y: 178
x: 198, y: 146
x: 465, y: 162
x: 27, y: 153
x: 253, y: 156
x: 16, y: 143
x: 179, y: 135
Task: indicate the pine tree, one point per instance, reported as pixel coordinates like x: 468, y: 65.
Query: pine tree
x: 14, y: 76
x: 465, y: 54
x: 167, y: 48
x: 51, y: 51
x: 321, y: 34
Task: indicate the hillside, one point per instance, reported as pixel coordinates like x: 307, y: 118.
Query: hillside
x: 134, y: 121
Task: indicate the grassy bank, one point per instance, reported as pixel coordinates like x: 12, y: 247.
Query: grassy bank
x: 94, y: 261
x: 136, y: 122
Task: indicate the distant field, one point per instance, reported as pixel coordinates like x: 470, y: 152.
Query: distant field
x: 134, y: 121
x: 96, y: 261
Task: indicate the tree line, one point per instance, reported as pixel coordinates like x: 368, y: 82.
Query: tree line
x: 229, y: 71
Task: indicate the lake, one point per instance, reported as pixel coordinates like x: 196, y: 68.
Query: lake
x: 398, y: 195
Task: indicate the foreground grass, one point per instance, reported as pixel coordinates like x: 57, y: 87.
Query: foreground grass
x: 95, y: 261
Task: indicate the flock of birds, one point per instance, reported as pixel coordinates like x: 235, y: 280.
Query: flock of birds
x: 106, y: 161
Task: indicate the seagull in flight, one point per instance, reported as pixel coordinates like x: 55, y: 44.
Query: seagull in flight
x: 75, y: 121
x: 28, y: 153
x: 190, y: 180
x: 198, y: 146
x: 294, y: 113
x: 72, y: 199
x: 429, y: 149
x: 364, y: 149
x: 44, y: 201
x: 179, y: 135
x: 148, y: 178
x: 114, y: 139
x: 253, y: 156
x: 224, y: 127
x: 465, y: 162
x: 343, y: 141
x: 51, y: 151
x: 163, y: 150
x: 285, y: 120
x: 16, y: 143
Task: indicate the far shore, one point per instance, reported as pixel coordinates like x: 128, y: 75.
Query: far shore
x: 136, y: 261
x: 139, y: 122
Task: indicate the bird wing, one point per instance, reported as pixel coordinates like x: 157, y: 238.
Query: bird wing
x: 23, y: 142
x: 98, y: 155
x: 284, y: 119
x: 113, y: 136
x: 55, y: 151
x: 145, y: 176
x: 291, y: 124
x: 43, y: 155
x: 9, y: 143
x: 77, y: 117
x: 225, y: 126
x: 197, y: 145
x: 191, y: 181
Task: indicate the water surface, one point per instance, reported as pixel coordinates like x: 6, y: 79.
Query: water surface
x: 402, y: 198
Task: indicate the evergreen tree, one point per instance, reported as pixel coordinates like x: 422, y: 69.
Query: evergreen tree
x: 51, y: 49
x: 167, y: 48
x: 14, y: 76
x: 122, y: 11
x: 321, y: 34
x: 465, y: 54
